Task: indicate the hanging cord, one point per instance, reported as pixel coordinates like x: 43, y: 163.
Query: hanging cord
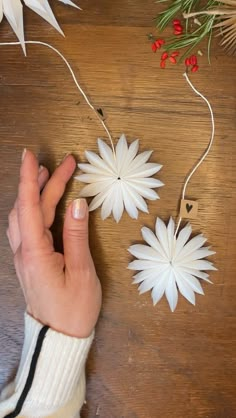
x: 208, y: 147
x: 74, y: 78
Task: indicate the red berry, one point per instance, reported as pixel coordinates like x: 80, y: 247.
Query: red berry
x: 193, y: 60
x: 179, y: 28
x: 154, y: 47
x: 161, y: 41
x: 164, y: 56
x: 195, y: 68
x: 173, y: 60
x: 176, y: 22
x: 177, y: 32
x: 187, y: 62
x: 175, y: 54
x: 163, y: 64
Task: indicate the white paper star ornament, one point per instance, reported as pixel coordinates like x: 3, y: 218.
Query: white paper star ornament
x: 119, y: 181
x: 13, y: 11
x: 168, y: 264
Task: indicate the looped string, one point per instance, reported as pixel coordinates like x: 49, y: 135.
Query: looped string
x: 75, y: 81
x: 105, y: 127
x: 206, y: 152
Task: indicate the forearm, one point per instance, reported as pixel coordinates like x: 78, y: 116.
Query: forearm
x: 58, y: 385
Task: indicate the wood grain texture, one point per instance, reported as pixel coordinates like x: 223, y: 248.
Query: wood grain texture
x: 146, y: 362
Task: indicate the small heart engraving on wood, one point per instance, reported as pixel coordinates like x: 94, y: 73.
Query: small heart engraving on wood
x: 189, y: 207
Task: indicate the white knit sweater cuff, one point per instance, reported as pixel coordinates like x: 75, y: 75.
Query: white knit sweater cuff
x: 60, y: 366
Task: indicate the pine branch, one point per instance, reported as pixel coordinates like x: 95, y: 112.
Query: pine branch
x: 176, y: 7
x: 189, y: 8
x: 190, y: 41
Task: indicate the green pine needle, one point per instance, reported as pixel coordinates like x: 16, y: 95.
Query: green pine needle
x: 176, y: 7
x: 190, y: 41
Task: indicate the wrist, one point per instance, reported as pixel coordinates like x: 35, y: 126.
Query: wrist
x: 59, y: 372
x: 77, y: 329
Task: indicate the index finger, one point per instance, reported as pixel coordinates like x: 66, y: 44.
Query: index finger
x: 29, y: 211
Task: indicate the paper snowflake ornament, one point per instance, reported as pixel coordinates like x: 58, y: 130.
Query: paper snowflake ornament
x: 119, y: 180
x: 168, y: 264
x: 13, y: 11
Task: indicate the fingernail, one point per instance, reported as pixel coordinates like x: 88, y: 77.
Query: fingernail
x: 23, y: 154
x: 66, y: 156
x: 41, y: 168
x: 79, y: 208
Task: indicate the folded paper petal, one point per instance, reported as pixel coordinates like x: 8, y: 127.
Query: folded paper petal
x: 171, y: 291
x: 13, y: 11
x: 1, y: 11
x: 43, y: 9
x: 70, y: 3
x: 130, y: 204
x: 159, y: 287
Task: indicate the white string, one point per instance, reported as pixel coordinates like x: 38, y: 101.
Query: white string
x: 74, y: 78
x: 208, y: 147
x: 105, y: 127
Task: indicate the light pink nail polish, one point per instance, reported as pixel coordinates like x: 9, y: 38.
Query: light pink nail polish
x: 23, y: 154
x: 66, y: 156
x: 41, y: 167
x: 79, y: 209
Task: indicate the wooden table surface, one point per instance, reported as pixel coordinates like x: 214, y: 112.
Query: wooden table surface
x: 146, y: 362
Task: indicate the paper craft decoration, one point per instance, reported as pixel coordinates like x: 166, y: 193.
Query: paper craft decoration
x: 169, y: 261
x: 119, y: 180
x: 13, y: 11
x: 172, y: 261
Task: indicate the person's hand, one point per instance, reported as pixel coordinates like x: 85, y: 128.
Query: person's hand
x: 61, y: 291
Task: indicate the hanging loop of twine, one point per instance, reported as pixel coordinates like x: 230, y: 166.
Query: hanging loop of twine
x: 206, y: 152
x: 75, y: 81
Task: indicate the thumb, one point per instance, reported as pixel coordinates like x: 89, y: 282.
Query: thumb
x: 75, y: 236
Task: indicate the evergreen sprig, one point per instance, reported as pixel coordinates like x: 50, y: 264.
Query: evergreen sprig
x: 175, y: 8
x: 191, y: 38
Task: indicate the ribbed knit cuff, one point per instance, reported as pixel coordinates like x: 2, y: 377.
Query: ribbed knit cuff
x: 60, y: 366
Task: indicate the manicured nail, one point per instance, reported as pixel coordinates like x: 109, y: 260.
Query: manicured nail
x: 79, y: 208
x: 41, y: 168
x: 66, y: 156
x: 23, y: 154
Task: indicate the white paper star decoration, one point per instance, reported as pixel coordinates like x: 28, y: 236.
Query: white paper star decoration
x: 168, y: 263
x: 119, y: 180
x: 13, y: 11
